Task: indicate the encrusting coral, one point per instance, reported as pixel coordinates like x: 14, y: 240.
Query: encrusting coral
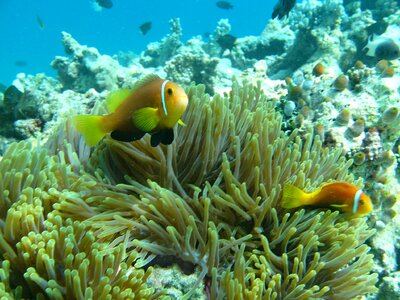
x: 211, y: 198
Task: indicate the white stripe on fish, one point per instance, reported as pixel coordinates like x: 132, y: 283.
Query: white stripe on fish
x: 163, y: 97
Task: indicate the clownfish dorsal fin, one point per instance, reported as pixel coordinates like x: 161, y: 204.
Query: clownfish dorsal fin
x: 145, y: 81
x: 116, y: 98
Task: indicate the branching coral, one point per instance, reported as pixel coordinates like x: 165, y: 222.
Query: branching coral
x: 211, y: 199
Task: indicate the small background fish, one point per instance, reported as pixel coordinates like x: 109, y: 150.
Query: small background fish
x: 145, y: 27
x: 384, y: 46
x: 224, y: 5
x: 282, y: 8
x: 20, y: 63
x: 226, y: 41
x: 40, y: 22
x: 105, y: 3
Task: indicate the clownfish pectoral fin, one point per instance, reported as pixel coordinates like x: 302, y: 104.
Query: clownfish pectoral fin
x: 146, y: 119
x: 116, y: 98
x: 180, y: 122
x: 90, y: 127
x: 293, y: 197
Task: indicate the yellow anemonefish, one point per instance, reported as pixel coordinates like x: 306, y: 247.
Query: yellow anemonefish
x: 153, y: 106
x: 341, y: 195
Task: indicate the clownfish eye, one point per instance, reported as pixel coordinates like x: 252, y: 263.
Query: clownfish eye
x: 170, y: 91
x: 361, y: 202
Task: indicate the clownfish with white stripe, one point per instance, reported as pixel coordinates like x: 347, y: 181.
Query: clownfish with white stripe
x: 153, y: 106
x: 339, y: 195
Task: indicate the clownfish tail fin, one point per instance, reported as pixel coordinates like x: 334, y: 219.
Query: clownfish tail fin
x: 293, y: 196
x: 90, y: 127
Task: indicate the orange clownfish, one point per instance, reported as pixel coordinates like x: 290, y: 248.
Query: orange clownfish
x: 341, y: 195
x: 153, y: 106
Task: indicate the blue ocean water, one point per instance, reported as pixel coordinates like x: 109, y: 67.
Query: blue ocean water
x: 26, y: 47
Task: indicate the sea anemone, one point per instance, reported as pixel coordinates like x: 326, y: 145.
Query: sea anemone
x: 211, y: 198
x: 341, y: 82
x: 295, y: 92
x: 343, y: 117
x: 359, y: 158
x: 319, y: 69
x: 381, y: 65
x: 46, y: 255
x: 319, y: 129
x: 388, y: 72
x: 357, y: 127
x: 390, y: 115
x: 359, y: 65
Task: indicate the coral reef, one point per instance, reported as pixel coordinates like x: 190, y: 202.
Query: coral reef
x: 210, y: 199
x: 33, y: 106
x: 86, y: 68
x: 192, y: 64
x: 23, y: 111
x: 158, y: 53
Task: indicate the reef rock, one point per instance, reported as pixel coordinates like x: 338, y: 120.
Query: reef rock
x: 86, y: 68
